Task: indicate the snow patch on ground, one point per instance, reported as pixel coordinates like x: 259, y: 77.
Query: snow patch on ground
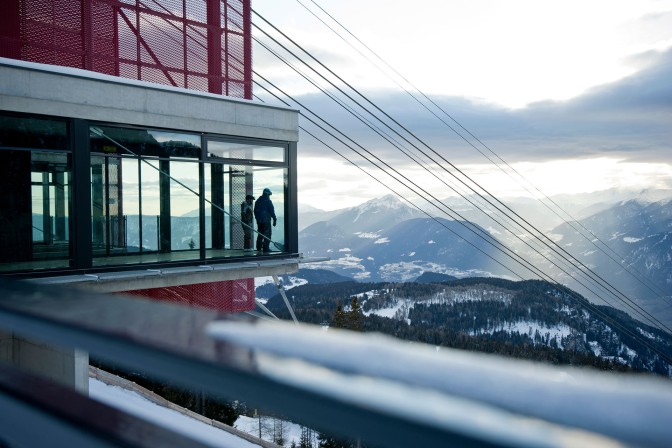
x: 261, y: 281
x: 646, y: 334
x: 367, y: 235
x: 348, y: 262
x: 267, y: 427
x: 293, y: 282
x: 410, y: 270
x: 530, y: 328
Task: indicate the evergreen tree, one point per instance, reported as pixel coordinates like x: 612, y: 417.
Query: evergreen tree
x: 306, y: 440
x: 339, y: 318
x: 355, y: 315
x: 279, y: 427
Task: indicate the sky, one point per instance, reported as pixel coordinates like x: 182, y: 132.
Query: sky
x: 550, y: 91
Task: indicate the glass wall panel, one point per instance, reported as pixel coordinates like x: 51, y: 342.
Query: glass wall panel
x: 35, y: 210
x: 226, y: 188
x: 231, y: 150
x: 130, y: 197
x: 149, y: 208
x: 144, y: 142
x: 108, y: 219
x: 275, y: 179
x: 184, y: 209
x: 151, y: 205
x: 145, y: 204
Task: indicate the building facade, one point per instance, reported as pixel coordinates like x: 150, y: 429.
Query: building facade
x: 135, y: 146
x: 128, y: 143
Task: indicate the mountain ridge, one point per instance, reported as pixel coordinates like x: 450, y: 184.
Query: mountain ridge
x: 530, y: 319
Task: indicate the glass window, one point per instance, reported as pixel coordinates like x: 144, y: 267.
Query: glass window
x: 231, y: 150
x: 228, y: 231
x: 145, y: 142
x: 144, y: 208
x: 184, y: 208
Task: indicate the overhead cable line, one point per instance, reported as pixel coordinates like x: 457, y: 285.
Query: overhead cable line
x: 543, y: 239
x: 494, y: 242
x: 541, y: 274
x: 637, y: 275
x: 428, y: 168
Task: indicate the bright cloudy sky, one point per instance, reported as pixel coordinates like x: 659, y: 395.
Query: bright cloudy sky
x: 559, y: 90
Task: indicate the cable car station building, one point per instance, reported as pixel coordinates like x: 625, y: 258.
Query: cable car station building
x: 129, y: 141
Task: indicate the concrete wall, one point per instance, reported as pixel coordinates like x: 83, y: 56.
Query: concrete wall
x: 66, y: 92
x: 65, y: 366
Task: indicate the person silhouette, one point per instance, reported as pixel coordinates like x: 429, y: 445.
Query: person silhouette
x: 264, y: 212
x: 247, y: 220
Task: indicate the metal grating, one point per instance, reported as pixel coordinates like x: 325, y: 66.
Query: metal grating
x: 201, y: 45
x: 230, y: 296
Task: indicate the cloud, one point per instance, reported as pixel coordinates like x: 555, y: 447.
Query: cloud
x: 628, y: 119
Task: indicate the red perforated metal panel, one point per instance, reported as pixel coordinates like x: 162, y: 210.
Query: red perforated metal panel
x: 232, y: 296
x: 197, y: 44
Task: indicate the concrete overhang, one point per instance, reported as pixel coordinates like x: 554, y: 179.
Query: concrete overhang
x: 109, y: 282
x: 68, y: 92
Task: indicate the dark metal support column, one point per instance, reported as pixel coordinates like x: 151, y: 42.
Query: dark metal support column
x: 292, y: 220
x: 164, y: 194
x: 80, y: 230
x: 217, y: 198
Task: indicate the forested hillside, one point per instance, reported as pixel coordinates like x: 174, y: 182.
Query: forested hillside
x: 529, y: 319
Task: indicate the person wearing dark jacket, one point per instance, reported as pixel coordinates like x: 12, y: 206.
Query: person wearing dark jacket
x: 264, y: 212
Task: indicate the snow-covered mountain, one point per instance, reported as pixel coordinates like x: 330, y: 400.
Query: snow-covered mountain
x: 385, y: 239
x: 629, y: 244
x: 529, y: 319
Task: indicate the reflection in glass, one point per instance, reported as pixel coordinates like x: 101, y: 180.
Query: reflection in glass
x: 151, y: 205
x: 184, y: 207
x: 275, y: 179
x: 143, y: 210
x: 145, y: 142
x: 231, y: 150
x: 226, y: 187
x: 33, y: 133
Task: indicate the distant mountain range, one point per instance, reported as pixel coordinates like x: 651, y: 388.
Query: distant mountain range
x: 627, y: 244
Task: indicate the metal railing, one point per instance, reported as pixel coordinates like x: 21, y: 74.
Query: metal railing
x: 385, y: 392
